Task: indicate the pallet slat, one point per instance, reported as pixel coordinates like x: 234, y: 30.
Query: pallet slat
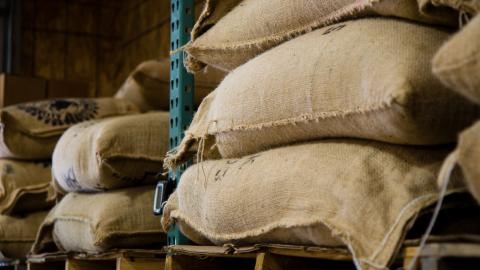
x: 140, y: 264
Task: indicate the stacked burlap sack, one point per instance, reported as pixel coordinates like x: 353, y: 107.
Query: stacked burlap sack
x: 329, y: 130
x: 106, y: 171
x: 29, y: 132
x: 148, y: 86
x: 457, y: 65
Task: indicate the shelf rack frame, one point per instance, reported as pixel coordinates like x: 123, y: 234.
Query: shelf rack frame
x: 181, y: 103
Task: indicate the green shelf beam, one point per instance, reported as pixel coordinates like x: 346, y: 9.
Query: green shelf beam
x: 181, y: 90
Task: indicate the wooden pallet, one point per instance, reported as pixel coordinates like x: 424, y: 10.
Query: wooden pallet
x: 435, y: 256
x: 259, y: 257
x: 114, y: 260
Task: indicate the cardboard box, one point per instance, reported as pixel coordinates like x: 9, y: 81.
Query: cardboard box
x: 17, y: 89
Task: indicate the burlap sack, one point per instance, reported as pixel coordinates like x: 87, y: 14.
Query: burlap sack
x: 24, y: 186
x: 148, y: 85
x: 471, y: 7
x: 465, y: 161
x: 17, y: 234
x: 337, y: 81
x: 31, y: 130
x: 233, y: 40
x: 457, y: 62
x: 111, y: 153
x: 97, y: 222
x: 366, y: 194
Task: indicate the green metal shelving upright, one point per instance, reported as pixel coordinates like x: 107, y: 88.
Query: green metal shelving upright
x: 181, y: 89
x: 181, y: 101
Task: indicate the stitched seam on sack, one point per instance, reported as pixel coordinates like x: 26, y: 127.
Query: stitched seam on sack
x: 104, y: 162
x: 335, y: 232
x: 311, y: 117
x: 105, y: 157
x: 17, y: 195
x: 98, y: 231
x: 425, y: 198
x: 106, y: 235
x: 259, y: 42
x: 400, y: 217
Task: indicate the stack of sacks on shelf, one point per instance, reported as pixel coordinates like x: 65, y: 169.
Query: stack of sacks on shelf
x: 148, y: 86
x: 29, y: 132
x: 106, y: 170
x: 457, y: 65
x: 323, y: 133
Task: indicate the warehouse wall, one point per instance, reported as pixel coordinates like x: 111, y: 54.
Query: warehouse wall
x: 65, y: 39
x: 144, y: 35
x: 99, y: 41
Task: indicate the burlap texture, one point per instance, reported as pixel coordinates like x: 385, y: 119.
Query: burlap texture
x: 233, y: 40
x: 466, y: 159
x: 148, y: 86
x: 457, y: 62
x: 366, y: 193
x: 97, y: 222
x: 336, y: 81
x: 111, y: 153
x: 471, y: 7
x: 31, y: 130
x: 17, y: 234
x: 24, y: 186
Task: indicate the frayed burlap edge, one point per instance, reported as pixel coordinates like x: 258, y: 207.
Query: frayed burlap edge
x: 379, y: 259
x: 45, y: 233
x: 194, y: 65
x: 191, y: 64
x: 189, y: 146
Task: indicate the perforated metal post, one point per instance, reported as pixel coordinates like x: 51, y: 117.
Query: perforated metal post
x: 181, y: 89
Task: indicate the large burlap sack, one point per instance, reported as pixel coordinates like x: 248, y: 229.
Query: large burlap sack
x: 233, y: 40
x: 24, y: 186
x: 17, y: 234
x: 148, y: 86
x: 471, y: 7
x: 466, y: 160
x: 457, y: 62
x: 337, y: 81
x: 31, y: 130
x: 365, y: 193
x: 97, y: 222
x: 111, y: 153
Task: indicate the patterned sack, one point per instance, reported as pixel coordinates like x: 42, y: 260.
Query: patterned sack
x: 31, y: 130
x: 98, y: 222
x: 233, y: 40
x: 17, y: 234
x: 364, y: 193
x: 333, y: 82
x: 111, y: 153
x: 24, y: 186
x: 148, y: 86
x: 457, y: 62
